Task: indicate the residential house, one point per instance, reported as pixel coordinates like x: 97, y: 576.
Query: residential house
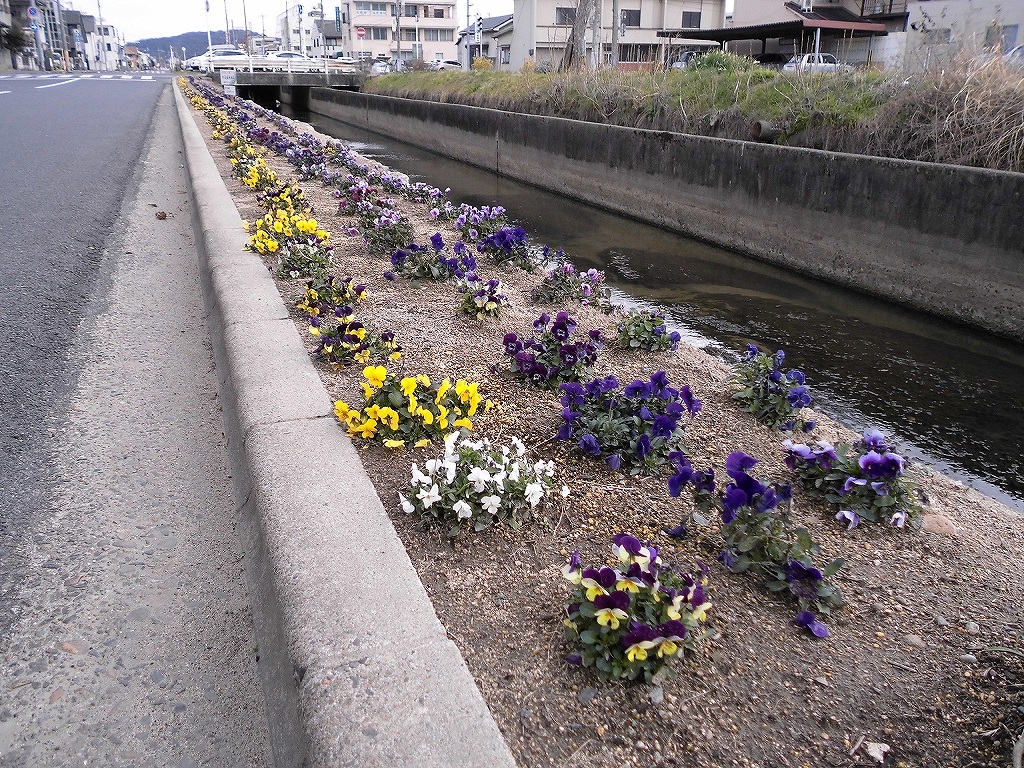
x: 297, y: 29
x: 106, y: 47
x: 542, y: 28
x: 489, y: 37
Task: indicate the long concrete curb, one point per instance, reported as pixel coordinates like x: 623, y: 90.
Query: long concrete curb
x: 356, y: 667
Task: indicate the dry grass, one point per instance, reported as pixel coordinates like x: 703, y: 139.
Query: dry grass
x: 964, y: 113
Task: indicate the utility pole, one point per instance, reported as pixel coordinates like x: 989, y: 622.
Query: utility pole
x: 63, y: 37
x: 616, y: 23
x: 596, y: 54
x: 245, y: 20
x: 227, y: 24
x: 398, y: 35
x: 209, y: 37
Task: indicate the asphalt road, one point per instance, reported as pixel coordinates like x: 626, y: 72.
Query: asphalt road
x: 68, y: 152
x: 127, y: 636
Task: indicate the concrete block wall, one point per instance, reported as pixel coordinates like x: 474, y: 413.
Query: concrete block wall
x: 943, y: 239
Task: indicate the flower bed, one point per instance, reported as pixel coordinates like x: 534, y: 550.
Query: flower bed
x: 754, y: 690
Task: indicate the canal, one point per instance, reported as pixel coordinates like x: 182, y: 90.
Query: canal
x: 950, y: 397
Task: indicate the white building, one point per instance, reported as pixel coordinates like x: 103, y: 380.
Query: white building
x: 541, y: 28
x: 107, y: 50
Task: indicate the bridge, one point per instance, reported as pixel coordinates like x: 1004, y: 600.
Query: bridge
x: 293, y: 88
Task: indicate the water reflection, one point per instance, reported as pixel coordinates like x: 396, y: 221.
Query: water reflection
x: 949, y: 396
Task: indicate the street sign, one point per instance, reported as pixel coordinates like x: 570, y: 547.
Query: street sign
x: 300, y: 9
x: 32, y: 11
x: 360, y: 32
x: 337, y: 18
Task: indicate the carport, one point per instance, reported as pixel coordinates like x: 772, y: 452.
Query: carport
x: 807, y: 34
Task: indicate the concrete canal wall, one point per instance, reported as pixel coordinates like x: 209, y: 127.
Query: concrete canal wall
x: 944, y: 239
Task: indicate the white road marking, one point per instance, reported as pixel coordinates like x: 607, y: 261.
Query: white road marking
x: 105, y: 77
x: 147, y: 77
x: 54, y: 85
x: 3, y: 92
x: 126, y: 77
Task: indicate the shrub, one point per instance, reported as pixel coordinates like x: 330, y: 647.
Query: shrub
x: 629, y: 622
x: 759, y: 539
x: 475, y: 484
x: 349, y: 341
x: 550, y: 357
x: 482, y: 64
x: 326, y: 295
x: 633, y: 430
x: 774, y: 396
x: 865, y: 479
x: 646, y: 329
x: 409, y: 410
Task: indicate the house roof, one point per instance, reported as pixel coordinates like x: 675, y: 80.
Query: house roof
x: 487, y: 25
x: 792, y: 28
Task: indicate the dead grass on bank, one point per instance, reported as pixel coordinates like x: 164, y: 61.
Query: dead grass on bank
x: 761, y: 694
x: 964, y: 113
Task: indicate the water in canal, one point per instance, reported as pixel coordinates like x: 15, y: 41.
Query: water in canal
x: 951, y: 397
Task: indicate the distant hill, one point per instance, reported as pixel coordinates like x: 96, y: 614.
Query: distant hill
x: 193, y: 42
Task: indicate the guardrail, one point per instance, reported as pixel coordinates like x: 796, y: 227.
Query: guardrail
x: 273, y: 64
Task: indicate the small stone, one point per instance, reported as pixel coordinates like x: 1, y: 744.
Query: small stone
x: 972, y: 628
x: 941, y: 620
x: 657, y: 695
x: 587, y: 695
x: 914, y: 641
x: 56, y: 695
x: 969, y: 658
x: 69, y: 647
x: 938, y: 524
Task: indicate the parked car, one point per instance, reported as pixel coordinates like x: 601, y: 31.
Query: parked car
x: 815, y: 62
x: 447, y: 64
x: 686, y: 59
x: 772, y: 60
x: 215, y: 58
x: 380, y: 67
x: 345, y: 60
x: 287, y: 55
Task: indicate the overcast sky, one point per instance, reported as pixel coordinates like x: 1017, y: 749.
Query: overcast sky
x: 141, y: 19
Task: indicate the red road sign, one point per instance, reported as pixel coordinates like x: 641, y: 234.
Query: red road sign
x: 360, y: 32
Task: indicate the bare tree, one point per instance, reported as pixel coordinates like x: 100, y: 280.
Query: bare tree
x: 574, y: 56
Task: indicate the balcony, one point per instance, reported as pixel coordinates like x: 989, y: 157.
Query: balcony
x: 879, y: 8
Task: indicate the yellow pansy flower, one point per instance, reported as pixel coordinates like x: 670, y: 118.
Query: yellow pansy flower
x: 368, y: 428
x: 408, y: 385
x: 389, y: 443
x: 375, y: 375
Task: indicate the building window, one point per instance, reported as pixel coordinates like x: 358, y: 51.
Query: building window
x: 372, y: 9
x: 108, y: 46
x: 565, y: 17
x: 378, y: 33
x: 438, y: 35
x: 439, y: 13
x: 631, y: 18
x: 409, y: 35
x: 691, y: 19
x: 504, y: 55
x: 1008, y: 36
x: 412, y: 11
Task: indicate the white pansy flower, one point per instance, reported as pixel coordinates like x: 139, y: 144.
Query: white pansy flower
x: 418, y: 478
x: 499, y: 480
x: 450, y: 468
x: 449, y: 442
x: 491, y: 504
x: 513, y: 474
x: 534, y: 492
x: 407, y: 506
x: 431, y: 466
x: 462, y: 509
x: 429, y: 496
x: 479, y: 478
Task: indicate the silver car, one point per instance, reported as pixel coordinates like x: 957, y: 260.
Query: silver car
x: 814, y: 62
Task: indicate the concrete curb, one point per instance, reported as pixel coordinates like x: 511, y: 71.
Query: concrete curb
x: 356, y: 667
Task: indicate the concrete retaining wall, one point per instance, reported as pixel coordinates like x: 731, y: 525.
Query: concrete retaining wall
x: 940, y: 238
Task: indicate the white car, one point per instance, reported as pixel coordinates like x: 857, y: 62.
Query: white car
x: 287, y: 55
x: 447, y: 64
x: 380, y: 67
x: 815, y: 62
x: 218, y: 58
